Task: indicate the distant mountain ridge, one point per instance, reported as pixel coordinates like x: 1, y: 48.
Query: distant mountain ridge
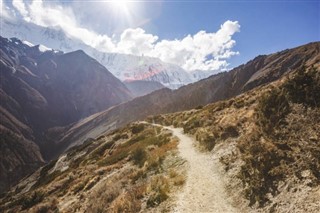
x: 141, y: 88
x: 123, y: 66
x: 43, y: 90
x: 259, y: 71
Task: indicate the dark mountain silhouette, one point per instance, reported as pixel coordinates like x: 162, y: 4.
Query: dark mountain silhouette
x: 43, y: 89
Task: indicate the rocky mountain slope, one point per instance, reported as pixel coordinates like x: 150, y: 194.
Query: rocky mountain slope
x: 259, y: 71
x: 128, y: 170
x: 141, y: 88
x: 42, y: 91
x: 123, y: 66
x: 266, y: 141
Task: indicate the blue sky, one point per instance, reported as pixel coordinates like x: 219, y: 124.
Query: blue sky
x: 266, y: 26
x: 206, y: 35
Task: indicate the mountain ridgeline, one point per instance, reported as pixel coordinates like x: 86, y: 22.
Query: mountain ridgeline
x: 259, y: 71
x: 45, y: 90
x: 124, y: 66
x: 141, y: 88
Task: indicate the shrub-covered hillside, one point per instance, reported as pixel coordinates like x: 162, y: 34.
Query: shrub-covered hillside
x: 129, y: 170
x: 268, y: 139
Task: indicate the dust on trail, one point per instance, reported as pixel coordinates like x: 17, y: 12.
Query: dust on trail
x: 204, y: 189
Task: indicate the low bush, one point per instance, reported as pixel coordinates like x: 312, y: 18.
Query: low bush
x: 79, y: 187
x: 272, y: 109
x: 208, y: 142
x: 27, y: 202
x: 126, y: 202
x: 101, y: 149
x: 139, y: 156
x: 304, y: 87
x: 120, y: 136
x: 137, y: 128
x: 159, y: 187
x: 261, y: 157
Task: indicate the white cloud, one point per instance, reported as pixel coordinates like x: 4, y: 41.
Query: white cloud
x: 204, y: 51
x: 201, y: 51
x: 136, y: 41
x: 5, y: 11
x: 21, y: 7
x: 63, y: 17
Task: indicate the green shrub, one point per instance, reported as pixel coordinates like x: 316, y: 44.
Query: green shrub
x: 135, y: 139
x: 28, y: 202
x: 91, y: 183
x: 272, y: 109
x: 101, y: 137
x: 137, y: 128
x: 157, y: 198
x: 230, y: 131
x: 46, y: 178
x: 120, y: 136
x: 79, y: 187
x: 304, y: 87
x: 159, y: 191
x: 139, y: 156
x: 114, y: 158
x: 208, y: 141
x: 256, y: 173
x: 100, y: 150
x: 191, y: 124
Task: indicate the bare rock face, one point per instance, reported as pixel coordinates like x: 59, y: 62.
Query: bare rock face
x: 44, y: 89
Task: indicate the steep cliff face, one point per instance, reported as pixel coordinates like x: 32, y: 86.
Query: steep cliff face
x: 41, y: 90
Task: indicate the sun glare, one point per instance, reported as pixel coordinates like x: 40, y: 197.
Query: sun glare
x: 120, y: 5
x: 125, y: 13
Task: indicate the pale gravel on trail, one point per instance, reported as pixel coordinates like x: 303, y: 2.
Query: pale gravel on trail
x: 204, y: 189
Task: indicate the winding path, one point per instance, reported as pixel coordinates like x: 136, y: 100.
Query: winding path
x: 204, y: 189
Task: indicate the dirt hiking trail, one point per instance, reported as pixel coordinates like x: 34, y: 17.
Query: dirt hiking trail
x: 204, y: 189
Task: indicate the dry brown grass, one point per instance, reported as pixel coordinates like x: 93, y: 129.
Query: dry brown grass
x: 179, y: 180
x: 102, y: 198
x: 158, y: 190
x: 173, y: 173
x: 113, y: 176
x: 126, y: 202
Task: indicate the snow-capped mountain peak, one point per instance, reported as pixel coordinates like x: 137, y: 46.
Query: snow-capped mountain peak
x: 123, y: 66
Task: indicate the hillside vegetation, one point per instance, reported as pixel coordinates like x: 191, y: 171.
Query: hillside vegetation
x: 268, y: 140
x: 129, y: 170
x: 262, y: 70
